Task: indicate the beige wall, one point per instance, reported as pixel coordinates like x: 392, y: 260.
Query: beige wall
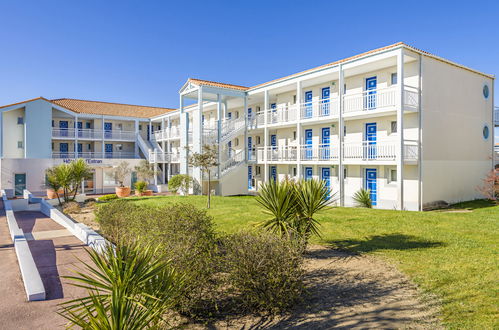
x: 13, y: 133
x: 456, y: 157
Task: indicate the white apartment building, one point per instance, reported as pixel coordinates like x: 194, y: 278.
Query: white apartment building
x: 410, y: 126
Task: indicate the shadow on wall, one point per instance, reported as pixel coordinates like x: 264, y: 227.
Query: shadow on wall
x: 393, y: 241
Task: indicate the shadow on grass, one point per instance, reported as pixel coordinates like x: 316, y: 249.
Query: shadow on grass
x: 384, y: 242
x: 472, y: 205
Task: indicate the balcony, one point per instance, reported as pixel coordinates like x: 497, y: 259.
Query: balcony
x: 282, y: 114
x: 167, y: 133
x: 319, y: 109
x: 164, y: 157
x: 378, y: 151
x: 92, y: 134
x: 380, y: 99
x: 312, y: 153
x: 95, y: 155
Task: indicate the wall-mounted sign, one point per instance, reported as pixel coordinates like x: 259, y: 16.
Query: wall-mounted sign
x: 89, y: 161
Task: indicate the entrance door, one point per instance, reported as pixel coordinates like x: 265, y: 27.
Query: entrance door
x: 250, y: 113
x: 370, y: 184
x: 63, y: 126
x: 308, y: 144
x: 370, y: 141
x: 63, y: 149
x: 250, y: 177
x: 108, y: 131
x: 229, y: 149
x: 133, y: 179
x: 308, y: 104
x: 229, y: 115
x: 80, y: 148
x: 326, y: 177
x: 308, y: 173
x: 80, y: 128
x: 108, y: 148
x: 19, y: 183
x: 325, y: 101
x: 250, y: 146
x: 325, y: 143
x: 273, y: 109
x: 371, y: 84
x: 273, y: 173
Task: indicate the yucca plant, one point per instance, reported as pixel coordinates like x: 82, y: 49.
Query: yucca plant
x: 278, y: 200
x: 129, y: 287
x: 312, y: 196
x: 362, y: 198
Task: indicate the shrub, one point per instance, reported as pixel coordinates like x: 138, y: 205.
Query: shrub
x: 140, y: 186
x: 107, y: 198
x: 183, y: 233
x: 180, y: 182
x: 264, y: 270
x: 362, y: 198
x: 71, y: 207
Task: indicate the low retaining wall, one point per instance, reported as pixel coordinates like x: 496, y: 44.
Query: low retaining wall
x: 31, y: 277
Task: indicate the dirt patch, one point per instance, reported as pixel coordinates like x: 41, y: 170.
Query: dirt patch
x: 86, y: 216
x: 347, y: 291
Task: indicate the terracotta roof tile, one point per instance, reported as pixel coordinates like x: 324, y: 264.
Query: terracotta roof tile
x: 216, y: 84
x: 110, y: 109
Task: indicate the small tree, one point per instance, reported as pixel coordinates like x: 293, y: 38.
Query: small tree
x: 180, y: 182
x: 144, y: 171
x: 68, y: 177
x: 205, y: 160
x: 490, y: 186
x: 121, y: 171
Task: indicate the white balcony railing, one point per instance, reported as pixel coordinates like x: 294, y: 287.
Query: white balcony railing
x: 319, y: 108
x: 94, y: 155
x: 496, y: 116
x: 282, y: 114
x: 316, y: 153
x: 379, y: 150
x: 93, y: 134
x: 380, y: 99
x: 167, y: 133
x: 164, y: 157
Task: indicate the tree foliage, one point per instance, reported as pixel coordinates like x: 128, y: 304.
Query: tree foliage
x: 206, y: 160
x: 68, y: 177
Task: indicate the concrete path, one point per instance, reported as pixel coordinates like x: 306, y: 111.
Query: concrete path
x: 54, y: 250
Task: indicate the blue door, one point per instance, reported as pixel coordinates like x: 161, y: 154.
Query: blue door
x: 371, y: 185
x: 370, y: 144
x: 273, y: 141
x: 308, y: 173
x: 88, y: 125
x: 63, y: 125
x: 80, y: 148
x: 371, y: 93
x: 308, y: 104
x: 229, y: 148
x: 250, y: 177
x: 19, y: 184
x: 250, y: 147
x: 250, y: 113
x: 325, y: 101
x: 273, y: 106
x: 80, y: 127
x: 108, y: 148
x: 229, y: 115
x: 308, y: 144
x: 325, y: 143
x: 108, y: 127
x: 326, y: 177
x: 63, y: 149
x: 273, y: 173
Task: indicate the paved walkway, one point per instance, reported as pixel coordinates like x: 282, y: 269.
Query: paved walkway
x: 54, y: 250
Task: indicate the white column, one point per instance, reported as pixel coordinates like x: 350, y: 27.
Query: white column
x: 245, y: 113
x: 298, y: 129
x: 341, y: 130
x: 184, y: 133
x: 197, y: 134
x: 400, y: 129
x: 76, y: 136
x: 149, y: 127
x: 1, y: 135
x: 103, y: 141
x: 219, y: 131
x: 136, y: 147
x: 265, y: 136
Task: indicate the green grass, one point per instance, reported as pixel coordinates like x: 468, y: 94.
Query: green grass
x: 451, y: 254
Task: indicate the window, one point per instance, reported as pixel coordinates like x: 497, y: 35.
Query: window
x: 140, y: 127
x: 119, y: 147
x: 109, y: 179
x: 20, y: 120
x: 294, y: 171
x: 486, y: 132
x: 88, y: 125
x: 344, y: 88
x: 394, y: 78
x: 345, y: 130
x: 486, y: 91
x: 392, y: 175
x: 344, y: 173
x: 236, y: 142
x: 19, y: 144
x: 120, y: 127
x: 52, y: 146
x: 393, y: 126
x: 294, y: 135
x: 52, y: 123
x: 294, y: 98
x: 89, y: 146
x: 257, y: 140
x: 257, y: 109
x: 258, y: 170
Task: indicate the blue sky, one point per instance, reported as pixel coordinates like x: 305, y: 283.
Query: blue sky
x: 141, y: 52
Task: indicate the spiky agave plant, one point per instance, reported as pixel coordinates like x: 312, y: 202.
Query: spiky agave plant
x: 129, y: 287
x: 278, y: 200
x: 362, y: 198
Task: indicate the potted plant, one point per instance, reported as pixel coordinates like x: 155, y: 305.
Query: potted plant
x: 144, y: 173
x: 120, y: 174
x: 141, y: 189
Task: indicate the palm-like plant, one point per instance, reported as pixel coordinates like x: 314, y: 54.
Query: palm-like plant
x: 279, y: 201
x: 312, y: 196
x: 129, y: 287
x: 80, y: 171
x: 362, y: 198
x: 60, y: 176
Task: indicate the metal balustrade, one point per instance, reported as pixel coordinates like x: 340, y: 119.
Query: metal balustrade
x: 319, y: 108
x: 93, y: 134
x: 282, y: 114
x: 164, y: 157
x: 167, y: 133
x: 379, y: 150
x: 370, y: 100
x: 94, y: 155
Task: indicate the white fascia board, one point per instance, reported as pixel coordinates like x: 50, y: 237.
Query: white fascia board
x: 175, y: 113
x: 223, y: 91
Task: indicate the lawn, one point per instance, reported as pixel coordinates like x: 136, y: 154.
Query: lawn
x: 452, y: 254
